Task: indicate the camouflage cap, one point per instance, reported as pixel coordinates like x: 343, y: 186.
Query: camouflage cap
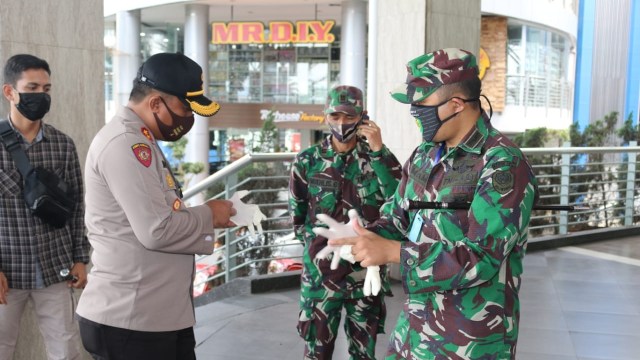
x: 430, y: 71
x: 344, y: 99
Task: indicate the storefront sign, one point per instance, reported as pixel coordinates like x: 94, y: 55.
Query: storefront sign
x: 484, y: 63
x: 279, y: 32
x: 290, y: 117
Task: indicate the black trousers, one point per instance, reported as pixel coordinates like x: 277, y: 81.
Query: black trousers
x: 111, y: 343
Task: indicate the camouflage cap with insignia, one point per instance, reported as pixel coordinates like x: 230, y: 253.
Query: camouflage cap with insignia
x: 428, y: 72
x: 344, y: 99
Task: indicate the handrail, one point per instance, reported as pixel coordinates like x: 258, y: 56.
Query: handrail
x: 580, y: 150
x: 249, y: 159
x: 567, y: 187
x: 235, y: 167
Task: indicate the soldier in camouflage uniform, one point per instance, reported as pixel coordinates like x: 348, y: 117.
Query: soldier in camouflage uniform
x: 350, y: 169
x: 460, y: 268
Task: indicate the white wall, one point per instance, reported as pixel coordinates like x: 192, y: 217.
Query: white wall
x: 549, y: 13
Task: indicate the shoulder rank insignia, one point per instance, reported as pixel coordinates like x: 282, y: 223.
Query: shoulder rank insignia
x: 176, y: 205
x: 142, y: 153
x: 146, y: 133
x: 170, y: 183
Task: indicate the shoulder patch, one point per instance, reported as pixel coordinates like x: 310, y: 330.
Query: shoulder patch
x: 502, y: 181
x: 505, y: 164
x: 142, y: 153
x: 146, y: 133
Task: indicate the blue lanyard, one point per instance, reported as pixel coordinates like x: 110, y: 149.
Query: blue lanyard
x: 440, y: 152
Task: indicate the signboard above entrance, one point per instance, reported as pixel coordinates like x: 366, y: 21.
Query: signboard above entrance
x: 277, y: 32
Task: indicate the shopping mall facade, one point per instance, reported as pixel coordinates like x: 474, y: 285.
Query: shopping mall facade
x: 281, y: 56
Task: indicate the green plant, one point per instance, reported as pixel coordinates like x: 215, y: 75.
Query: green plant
x: 181, y: 171
x: 269, y: 138
x: 591, y: 172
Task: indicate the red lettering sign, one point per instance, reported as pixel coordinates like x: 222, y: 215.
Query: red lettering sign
x: 312, y: 31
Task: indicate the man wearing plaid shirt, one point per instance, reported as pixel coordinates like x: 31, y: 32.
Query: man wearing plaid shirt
x: 32, y: 252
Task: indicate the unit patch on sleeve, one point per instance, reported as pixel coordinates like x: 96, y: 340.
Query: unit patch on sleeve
x: 502, y: 181
x: 142, y: 153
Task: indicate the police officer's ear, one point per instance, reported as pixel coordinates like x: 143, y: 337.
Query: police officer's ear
x: 154, y: 102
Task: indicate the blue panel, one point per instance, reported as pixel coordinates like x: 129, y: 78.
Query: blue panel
x: 633, y: 66
x: 584, y: 62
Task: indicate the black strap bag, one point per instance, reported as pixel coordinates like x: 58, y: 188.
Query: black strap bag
x: 47, y: 196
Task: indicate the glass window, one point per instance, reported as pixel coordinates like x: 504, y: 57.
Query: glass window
x: 537, y: 61
x: 273, y: 73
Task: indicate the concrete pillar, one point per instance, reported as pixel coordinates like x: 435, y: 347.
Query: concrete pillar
x: 69, y: 36
x: 425, y: 26
x: 126, y: 57
x: 196, y: 47
x: 372, y: 60
x: 352, y: 43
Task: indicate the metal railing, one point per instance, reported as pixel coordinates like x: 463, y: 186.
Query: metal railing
x: 604, y: 178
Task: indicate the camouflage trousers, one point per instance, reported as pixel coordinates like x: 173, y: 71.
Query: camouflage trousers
x: 319, y: 321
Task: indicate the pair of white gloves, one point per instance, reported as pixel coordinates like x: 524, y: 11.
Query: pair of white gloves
x: 336, y: 230
x: 248, y: 215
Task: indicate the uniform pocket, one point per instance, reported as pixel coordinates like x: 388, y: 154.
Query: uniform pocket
x: 323, y: 200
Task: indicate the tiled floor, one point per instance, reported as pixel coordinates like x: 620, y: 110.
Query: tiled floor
x: 578, y: 303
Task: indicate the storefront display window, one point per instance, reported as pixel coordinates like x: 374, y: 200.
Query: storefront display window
x: 272, y: 73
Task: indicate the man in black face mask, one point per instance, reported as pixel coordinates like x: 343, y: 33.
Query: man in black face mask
x: 460, y: 266
x: 350, y: 169
x: 33, y: 252
x: 138, y: 304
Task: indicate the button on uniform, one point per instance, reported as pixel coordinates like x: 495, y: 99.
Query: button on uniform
x: 410, y: 262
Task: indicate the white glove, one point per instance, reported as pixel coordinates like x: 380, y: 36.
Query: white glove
x: 248, y: 215
x: 336, y: 230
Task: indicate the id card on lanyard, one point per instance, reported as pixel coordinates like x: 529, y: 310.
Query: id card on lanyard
x: 416, y: 228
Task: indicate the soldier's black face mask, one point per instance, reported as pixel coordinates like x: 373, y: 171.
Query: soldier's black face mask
x: 429, y: 121
x: 180, y: 125
x: 33, y: 106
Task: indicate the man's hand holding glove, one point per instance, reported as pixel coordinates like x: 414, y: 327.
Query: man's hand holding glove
x: 372, y: 281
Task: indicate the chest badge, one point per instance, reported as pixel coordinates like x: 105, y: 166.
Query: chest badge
x: 142, y: 153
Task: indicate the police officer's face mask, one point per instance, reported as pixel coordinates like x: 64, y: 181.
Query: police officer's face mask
x: 429, y: 121
x: 344, y: 132
x: 33, y: 106
x: 180, y: 125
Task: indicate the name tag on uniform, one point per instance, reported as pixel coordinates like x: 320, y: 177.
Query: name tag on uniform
x: 416, y: 228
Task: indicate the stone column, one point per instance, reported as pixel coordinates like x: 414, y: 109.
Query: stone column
x: 196, y: 47
x: 69, y: 36
x: 426, y: 25
x: 126, y: 57
x: 352, y: 43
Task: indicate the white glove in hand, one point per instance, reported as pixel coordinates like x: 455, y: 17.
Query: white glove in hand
x: 248, y: 215
x: 336, y: 230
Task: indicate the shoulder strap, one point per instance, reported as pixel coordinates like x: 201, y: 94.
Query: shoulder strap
x: 12, y: 142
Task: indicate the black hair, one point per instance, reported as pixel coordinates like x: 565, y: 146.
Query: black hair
x: 139, y: 91
x: 17, y: 64
x: 469, y: 89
